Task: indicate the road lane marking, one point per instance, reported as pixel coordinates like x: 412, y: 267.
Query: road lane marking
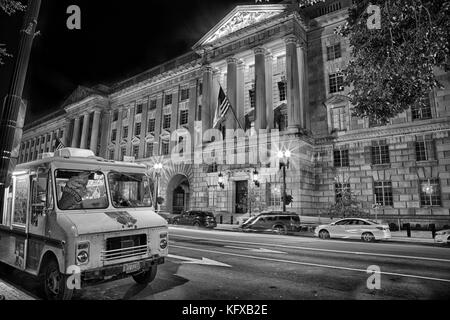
x: 202, y: 261
x: 312, y: 264
x: 321, y: 250
x: 260, y: 250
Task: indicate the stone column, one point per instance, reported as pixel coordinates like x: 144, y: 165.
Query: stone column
x: 193, y: 105
x: 174, y: 121
x: 158, y: 124
x: 240, y: 107
x: 293, y: 86
x: 85, y: 131
x: 119, y: 128
x: 260, y: 86
x: 105, y: 136
x: 52, y: 139
x: 66, y: 133
x: 95, y: 131
x: 207, y: 106
x: 76, y: 133
x: 303, y: 86
x: 231, y: 92
x: 269, y: 91
x: 131, y: 122
x: 144, y: 123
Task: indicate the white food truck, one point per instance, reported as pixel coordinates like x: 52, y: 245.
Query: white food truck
x: 74, y: 211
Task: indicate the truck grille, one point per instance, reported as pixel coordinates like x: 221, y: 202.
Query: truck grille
x: 125, y: 247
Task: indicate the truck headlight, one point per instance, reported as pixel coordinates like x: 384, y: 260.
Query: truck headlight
x: 163, y: 244
x: 83, y: 253
x: 82, y: 257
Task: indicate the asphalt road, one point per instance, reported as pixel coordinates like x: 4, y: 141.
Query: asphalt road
x: 209, y: 265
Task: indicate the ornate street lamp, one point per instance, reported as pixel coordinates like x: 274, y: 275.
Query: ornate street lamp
x: 284, y: 157
x: 256, y: 178
x: 158, y: 167
x: 221, y: 181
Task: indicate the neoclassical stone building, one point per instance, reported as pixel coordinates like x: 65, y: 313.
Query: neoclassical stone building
x: 280, y: 68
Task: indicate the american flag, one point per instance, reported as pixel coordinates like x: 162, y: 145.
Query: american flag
x: 222, y: 107
x: 59, y: 145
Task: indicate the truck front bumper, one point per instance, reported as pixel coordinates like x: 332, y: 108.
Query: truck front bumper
x: 117, y: 271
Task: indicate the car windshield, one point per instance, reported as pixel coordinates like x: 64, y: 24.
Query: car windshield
x: 80, y: 190
x: 129, y: 190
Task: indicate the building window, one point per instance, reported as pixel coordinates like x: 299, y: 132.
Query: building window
x: 111, y: 154
x: 123, y: 153
x: 125, y: 132
x: 61, y: 134
x: 341, y: 189
x: 115, y: 115
x: 184, y: 117
x: 200, y: 88
x: 137, y: 129
x: 430, y: 192
x: 139, y: 108
x: 274, y: 194
x: 380, y: 153
x: 167, y: 121
x: 114, y: 135
x: 383, y: 193
x: 421, y: 112
x: 149, y: 152
x: 153, y: 104
x: 124, y: 114
x: 252, y: 94
x: 212, y: 168
x: 334, y: 52
x: 165, y: 148
x: 336, y: 82
x: 339, y: 119
x: 424, y: 149
x: 341, y: 158
x: 136, y: 152
x: 151, y: 125
x: 168, y: 99
x: 184, y: 95
x: 281, y: 64
x: 282, y: 89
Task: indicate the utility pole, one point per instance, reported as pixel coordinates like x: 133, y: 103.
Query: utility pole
x: 14, y: 109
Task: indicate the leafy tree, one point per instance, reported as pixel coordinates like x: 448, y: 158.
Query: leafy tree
x: 346, y: 204
x: 392, y: 68
x: 9, y: 7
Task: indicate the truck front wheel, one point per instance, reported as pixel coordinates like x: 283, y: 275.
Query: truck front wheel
x: 146, y: 277
x: 55, y: 283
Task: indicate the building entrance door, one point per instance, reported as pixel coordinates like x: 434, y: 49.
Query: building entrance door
x: 241, y: 205
x: 178, y: 200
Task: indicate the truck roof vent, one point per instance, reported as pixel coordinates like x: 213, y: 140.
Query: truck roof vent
x: 74, y: 153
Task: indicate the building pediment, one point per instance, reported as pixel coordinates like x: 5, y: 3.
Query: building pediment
x: 82, y: 93
x: 240, y: 18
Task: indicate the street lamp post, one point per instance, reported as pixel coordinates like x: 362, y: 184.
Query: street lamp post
x: 158, y: 168
x: 284, y: 157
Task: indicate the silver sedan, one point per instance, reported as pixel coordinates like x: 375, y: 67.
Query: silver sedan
x: 442, y: 236
x: 354, y: 228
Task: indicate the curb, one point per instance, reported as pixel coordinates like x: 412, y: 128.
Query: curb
x: 10, y: 293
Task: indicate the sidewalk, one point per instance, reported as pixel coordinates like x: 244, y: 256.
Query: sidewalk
x: 8, y: 292
x: 397, y: 236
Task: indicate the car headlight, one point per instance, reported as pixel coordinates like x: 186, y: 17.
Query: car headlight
x: 83, y: 253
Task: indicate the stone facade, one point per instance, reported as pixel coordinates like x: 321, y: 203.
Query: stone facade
x: 279, y: 67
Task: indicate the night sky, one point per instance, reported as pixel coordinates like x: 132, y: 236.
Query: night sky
x: 117, y: 40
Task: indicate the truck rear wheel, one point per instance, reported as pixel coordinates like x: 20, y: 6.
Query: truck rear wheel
x: 54, y: 282
x: 147, y: 276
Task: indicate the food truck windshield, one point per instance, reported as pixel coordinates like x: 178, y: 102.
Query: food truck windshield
x: 77, y: 190
x: 129, y: 190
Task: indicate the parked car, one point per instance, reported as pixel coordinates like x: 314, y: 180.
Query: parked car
x: 196, y: 218
x: 354, y: 228
x: 166, y: 215
x: 274, y: 221
x: 443, y: 236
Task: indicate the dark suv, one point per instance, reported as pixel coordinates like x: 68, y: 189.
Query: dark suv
x: 196, y: 218
x: 279, y: 222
